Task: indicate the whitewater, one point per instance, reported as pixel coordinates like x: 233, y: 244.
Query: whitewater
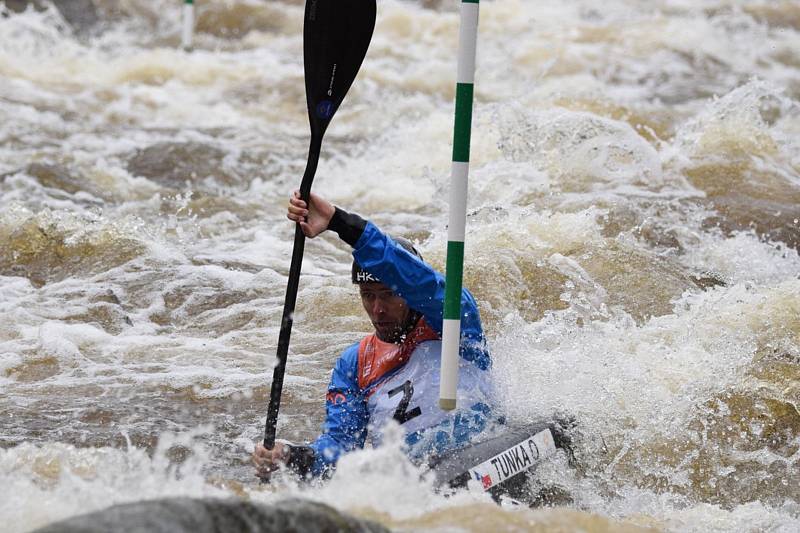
x: 633, y: 239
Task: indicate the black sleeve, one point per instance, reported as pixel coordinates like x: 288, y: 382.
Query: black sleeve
x: 349, y: 226
x: 301, y: 459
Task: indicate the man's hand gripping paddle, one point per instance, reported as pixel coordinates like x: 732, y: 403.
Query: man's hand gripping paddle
x: 336, y: 35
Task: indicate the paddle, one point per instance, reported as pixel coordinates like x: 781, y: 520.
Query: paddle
x: 336, y: 35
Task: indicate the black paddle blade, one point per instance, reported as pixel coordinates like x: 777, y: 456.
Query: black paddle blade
x: 336, y: 36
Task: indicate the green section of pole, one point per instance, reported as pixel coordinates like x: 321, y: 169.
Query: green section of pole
x: 463, y: 122
x: 462, y: 128
x: 453, y: 282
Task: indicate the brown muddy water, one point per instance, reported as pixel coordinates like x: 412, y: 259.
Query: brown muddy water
x: 633, y: 237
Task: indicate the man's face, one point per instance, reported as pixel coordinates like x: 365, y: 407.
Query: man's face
x: 388, y: 312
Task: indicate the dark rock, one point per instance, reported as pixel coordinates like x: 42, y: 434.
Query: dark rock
x: 61, y: 179
x: 776, y: 14
x: 642, y: 221
x: 746, y: 198
x: 80, y: 14
x: 174, y: 164
x: 772, y: 220
x: 18, y: 6
x: 58, y: 177
x: 234, y: 20
x: 43, y: 252
x: 708, y: 280
x: 176, y: 515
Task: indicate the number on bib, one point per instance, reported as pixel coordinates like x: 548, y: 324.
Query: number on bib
x: 402, y: 414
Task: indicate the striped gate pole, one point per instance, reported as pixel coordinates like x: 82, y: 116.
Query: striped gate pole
x: 451, y: 332
x: 188, y: 25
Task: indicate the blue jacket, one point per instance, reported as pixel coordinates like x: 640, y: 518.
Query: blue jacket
x: 347, y: 414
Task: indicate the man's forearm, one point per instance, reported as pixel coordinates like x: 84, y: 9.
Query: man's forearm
x: 349, y: 226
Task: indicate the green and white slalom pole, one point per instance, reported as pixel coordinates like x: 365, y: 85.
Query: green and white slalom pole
x: 451, y: 333
x: 187, y: 33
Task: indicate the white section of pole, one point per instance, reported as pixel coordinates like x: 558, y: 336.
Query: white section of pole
x: 467, y: 42
x: 448, y: 386
x: 187, y: 33
x: 457, y: 220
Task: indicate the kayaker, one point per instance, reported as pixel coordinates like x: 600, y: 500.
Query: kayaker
x: 392, y: 374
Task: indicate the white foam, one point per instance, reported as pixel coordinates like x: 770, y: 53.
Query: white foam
x: 76, y: 481
x: 555, y: 149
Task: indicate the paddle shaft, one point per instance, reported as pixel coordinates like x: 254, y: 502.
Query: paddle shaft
x: 291, y: 298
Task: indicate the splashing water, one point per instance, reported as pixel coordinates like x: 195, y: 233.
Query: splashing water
x: 632, y: 240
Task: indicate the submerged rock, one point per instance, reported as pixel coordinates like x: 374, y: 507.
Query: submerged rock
x: 778, y: 13
x: 174, y: 164
x: 234, y: 20
x: 54, y: 176
x: 47, y: 247
x: 175, y: 515
x: 18, y: 6
x: 775, y: 221
x: 80, y: 14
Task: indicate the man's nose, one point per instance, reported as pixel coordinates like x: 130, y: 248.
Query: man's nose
x: 378, y: 306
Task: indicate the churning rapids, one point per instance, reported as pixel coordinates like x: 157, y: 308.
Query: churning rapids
x: 633, y: 237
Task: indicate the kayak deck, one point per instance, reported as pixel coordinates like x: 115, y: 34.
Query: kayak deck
x: 503, y: 463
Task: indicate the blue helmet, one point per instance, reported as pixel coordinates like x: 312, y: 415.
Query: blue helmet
x: 359, y: 275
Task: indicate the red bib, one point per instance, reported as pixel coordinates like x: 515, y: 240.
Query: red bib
x: 377, y: 358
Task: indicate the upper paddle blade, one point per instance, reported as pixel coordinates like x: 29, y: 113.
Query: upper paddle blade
x: 336, y: 36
